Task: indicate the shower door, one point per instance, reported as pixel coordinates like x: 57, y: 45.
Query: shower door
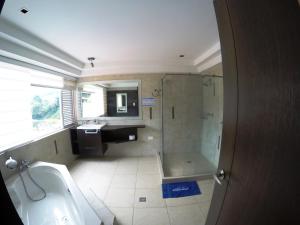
x: 212, y: 118
x: 191, y: 110
x: 181, y: 124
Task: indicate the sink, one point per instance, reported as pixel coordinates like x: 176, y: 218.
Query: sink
x: 91, y: 126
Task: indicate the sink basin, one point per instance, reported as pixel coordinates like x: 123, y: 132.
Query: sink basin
x: 91, y: 126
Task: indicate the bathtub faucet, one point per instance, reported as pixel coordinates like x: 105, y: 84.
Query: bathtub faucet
x: 12, y: 164
x: 24, y: 164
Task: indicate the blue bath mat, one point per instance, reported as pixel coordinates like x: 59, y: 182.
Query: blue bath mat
x: 180, y: 189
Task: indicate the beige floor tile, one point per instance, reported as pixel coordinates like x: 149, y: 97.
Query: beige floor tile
x: 182, y: 201
x: 148, y: 159
x: 186, y: 215
x: 119, y: 197
x: 206, y: 184
x: 148, y: 168
x: 100, y: 190
x: 127, y: 167
x: 153, y: 198
x: 148, y: 181
x: 204, y: 206
x: 131, y: 160
x: 150, y: 216
x: 206, y: 193
x: 123, y: 181
x: 123, y: 215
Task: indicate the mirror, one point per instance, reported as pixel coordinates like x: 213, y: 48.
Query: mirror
x: 121, y: 102
x: 109, y: 99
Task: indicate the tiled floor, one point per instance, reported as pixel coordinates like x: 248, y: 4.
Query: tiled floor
x: 120, y: 182
x: 186, y: 164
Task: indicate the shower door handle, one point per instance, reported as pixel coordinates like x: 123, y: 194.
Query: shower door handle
x: 173, y: 112
x: 219, y: 176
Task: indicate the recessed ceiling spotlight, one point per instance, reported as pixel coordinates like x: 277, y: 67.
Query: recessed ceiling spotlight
x: 24, y: 10
x: 181, y: 56
x: 91, y: 59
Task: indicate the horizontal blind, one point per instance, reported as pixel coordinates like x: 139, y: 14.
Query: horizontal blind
x: 67, y: 102
x: 15, y: 110
x: 43, y: 79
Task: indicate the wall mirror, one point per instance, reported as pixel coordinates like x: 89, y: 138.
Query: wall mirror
x: 109, y: 99
x: 122, y: 102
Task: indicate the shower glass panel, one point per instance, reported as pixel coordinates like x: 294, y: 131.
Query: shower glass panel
x: 192, y: 124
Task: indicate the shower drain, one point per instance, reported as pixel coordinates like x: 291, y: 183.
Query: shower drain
x: 142, y: 199
x: 64, y: 220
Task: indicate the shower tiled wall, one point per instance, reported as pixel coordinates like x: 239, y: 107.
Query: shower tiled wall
x: 182, y: 103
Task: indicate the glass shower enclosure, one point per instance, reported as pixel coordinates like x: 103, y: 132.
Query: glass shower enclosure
x: 192, y: 114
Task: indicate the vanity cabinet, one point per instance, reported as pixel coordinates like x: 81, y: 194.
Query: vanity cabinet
x: 93, y: 142
x: 120, y: 133
x: 87, y: 142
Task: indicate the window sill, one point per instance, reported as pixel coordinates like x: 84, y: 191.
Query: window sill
x: 35, y: 139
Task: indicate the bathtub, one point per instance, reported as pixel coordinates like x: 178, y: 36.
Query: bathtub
x: 64, y: 203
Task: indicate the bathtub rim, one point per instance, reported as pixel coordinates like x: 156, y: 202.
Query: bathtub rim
x: 86, y: 211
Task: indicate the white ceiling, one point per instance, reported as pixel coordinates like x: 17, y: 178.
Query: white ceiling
x: 123, y: 35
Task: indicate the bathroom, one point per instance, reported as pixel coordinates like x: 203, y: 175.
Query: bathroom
x: 115, y: 114
x: 149, y: 112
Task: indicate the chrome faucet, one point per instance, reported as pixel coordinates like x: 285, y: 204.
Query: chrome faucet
x: 11, y: 163
x: 24, y: 164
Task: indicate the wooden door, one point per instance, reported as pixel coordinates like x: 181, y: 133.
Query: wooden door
x: 261, y: 138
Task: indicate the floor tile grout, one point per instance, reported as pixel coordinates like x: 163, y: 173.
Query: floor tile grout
x: 139, y: 173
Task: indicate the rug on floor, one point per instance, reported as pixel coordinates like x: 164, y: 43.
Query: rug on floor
x: 180, y: 189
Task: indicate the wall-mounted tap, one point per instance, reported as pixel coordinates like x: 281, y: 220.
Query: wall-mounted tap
x: 11, y: 163
x: 24, y: 164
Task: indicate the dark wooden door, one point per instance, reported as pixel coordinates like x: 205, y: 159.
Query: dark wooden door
x: 260, y: 42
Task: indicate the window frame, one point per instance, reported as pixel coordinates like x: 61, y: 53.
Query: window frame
x: 62, y: 128
x: 60, y: 107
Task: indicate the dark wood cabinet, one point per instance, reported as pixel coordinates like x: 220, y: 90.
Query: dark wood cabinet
x: 87, y: 142
x: 119, y: 134
x: 93, y: 142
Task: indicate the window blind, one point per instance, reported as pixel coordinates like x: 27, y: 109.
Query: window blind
x: 15, y: 107
x: 67, y: 100
x: 38, y: 78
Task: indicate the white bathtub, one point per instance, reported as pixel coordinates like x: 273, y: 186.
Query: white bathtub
x: 64, y: 204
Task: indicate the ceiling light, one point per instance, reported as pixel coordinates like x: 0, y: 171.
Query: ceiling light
x: 91, y: 59
x: 24, y: 10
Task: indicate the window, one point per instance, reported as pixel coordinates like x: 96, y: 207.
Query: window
x: 32, y: 104
x: 92, y: 101
x: 67, y: 100
x: 46, y: 109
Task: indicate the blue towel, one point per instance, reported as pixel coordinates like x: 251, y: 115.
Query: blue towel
x: 180, y: 189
